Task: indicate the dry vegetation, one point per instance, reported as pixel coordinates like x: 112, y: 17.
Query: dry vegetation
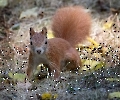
x: 96, y: 83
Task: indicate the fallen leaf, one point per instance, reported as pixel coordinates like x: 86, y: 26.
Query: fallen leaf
x: 46, y: 96
x: 3, y: 3
x: 50, y: 34
x: 113, y: 79
x: 93, y: 42
x: 29, y: 13
x: 49, y: 96
x: 91, y: 65
x: 114, y: 95
x: 17, y: 76
x: 16, y: 26
x: 107, y: 25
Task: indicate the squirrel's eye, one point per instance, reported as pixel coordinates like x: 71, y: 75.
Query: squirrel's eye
x: 45, y: 42
x: 31, y: 43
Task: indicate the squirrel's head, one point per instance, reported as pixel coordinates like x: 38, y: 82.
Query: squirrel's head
x: 38, y: 40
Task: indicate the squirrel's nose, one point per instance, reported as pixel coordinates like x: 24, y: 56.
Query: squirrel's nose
x: 38, y: 51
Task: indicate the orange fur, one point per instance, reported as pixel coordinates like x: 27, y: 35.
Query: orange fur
x: 72, y: 24
x: 59, y: 53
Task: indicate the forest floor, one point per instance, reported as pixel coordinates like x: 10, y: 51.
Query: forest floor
x: 99, y: 78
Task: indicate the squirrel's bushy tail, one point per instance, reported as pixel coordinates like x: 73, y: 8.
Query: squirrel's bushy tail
x: 72, y: 24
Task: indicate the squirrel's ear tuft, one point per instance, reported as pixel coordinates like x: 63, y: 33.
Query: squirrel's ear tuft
x: 32, y: 32
x: 44, y: 30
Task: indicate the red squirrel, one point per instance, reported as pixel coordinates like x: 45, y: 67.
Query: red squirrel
x: 70, y: 26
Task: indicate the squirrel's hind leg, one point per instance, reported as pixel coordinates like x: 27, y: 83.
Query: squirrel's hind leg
x: 72, y: 61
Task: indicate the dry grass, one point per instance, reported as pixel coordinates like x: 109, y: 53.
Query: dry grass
x: 78, y: 85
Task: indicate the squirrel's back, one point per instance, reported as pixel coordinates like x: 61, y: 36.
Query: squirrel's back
x: 72, y: 24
